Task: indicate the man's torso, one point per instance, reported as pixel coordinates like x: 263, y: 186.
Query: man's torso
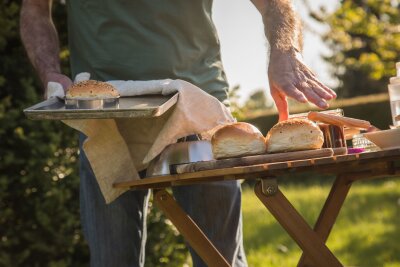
x: 145, y: 40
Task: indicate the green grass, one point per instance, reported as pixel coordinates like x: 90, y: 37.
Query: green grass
x: 366, y: 233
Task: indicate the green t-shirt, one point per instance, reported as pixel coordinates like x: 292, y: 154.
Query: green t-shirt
x: 146, y: 40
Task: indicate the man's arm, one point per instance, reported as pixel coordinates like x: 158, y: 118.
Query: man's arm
x: 288, y: 75
x: 40, y: 39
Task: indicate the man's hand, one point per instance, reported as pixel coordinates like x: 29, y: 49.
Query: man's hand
x: 289, y: 76
x: 65, y: 81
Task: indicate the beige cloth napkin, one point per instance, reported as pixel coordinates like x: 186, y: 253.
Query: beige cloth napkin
x: 118, y: 148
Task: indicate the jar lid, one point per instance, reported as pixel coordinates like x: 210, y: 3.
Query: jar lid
x: 360, y: 135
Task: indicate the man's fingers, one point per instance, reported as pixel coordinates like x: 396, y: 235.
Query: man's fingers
x: 311, y: 78
x: 66, y: 83
x: 293, y: 92
x: 316, y: 84
x: 314, y: 97
x: 319, y: 90
x: 281, y: 104
x: 283, y: 108
x: 326, y: 88
x: 62, y: 79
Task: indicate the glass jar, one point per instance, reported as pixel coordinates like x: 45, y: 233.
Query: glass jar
x: 359, y: 141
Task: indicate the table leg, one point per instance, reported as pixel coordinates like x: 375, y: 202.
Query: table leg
x: 190, y: 231
x: 329, y: 213
x: 297, y: 228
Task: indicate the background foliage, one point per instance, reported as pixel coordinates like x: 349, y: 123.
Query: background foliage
x: 364, y: 37
x: 39, y: 183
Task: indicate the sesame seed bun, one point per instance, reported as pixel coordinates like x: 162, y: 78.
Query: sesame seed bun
x: 92, y: 89
x: 294, y: 135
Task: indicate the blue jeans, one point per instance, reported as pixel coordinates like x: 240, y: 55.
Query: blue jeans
x: 116, y: 233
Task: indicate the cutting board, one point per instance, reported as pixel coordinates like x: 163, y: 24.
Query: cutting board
x: 251, y: 160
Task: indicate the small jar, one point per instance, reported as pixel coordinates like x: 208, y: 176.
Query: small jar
x: 333, y: 135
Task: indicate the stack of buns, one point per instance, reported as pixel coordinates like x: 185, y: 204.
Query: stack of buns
x: 92, y: 90
x: 243, y: 139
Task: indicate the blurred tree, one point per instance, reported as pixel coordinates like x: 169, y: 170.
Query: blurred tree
x: 235, y: 107
x: 165, y: 246
x: 257, y: 101
x: 364, y: 37
x: 39, y: 183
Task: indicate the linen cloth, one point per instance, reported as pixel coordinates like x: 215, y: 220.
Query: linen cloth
x: 118, y: 148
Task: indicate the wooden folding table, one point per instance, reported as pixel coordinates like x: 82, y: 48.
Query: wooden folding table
x: 346, y: 168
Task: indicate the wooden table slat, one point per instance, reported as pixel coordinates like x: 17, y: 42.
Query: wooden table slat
x: 336, y: 164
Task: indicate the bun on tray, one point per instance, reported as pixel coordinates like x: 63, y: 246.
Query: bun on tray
x: 294, y: 135
x: 238, y: 139
x: 92, y: 89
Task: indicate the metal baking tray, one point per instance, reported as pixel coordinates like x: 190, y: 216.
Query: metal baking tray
x: 127, y: 107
